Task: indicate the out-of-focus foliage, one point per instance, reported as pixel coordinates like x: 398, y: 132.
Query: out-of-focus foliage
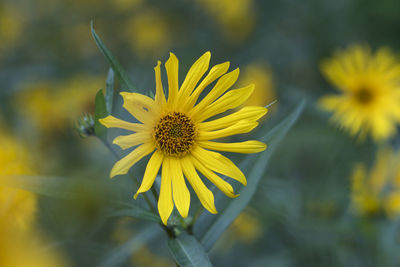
x: 315, y: 206
x: 21, y: 240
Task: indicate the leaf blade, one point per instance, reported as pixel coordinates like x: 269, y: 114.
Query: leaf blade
x: 109, y: 97
x: 236, y: 206
x: 68, y: 189
x: 123, y: 209
x: 123, y: 77
x: 188, y: 252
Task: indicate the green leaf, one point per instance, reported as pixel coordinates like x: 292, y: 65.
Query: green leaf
x: 187, y: 251
x: 236, y: 206
x: 122, y: 209
x: 109, y: 98
x: 54, y: 186
x: 119, y: 255
x: 67, y: 188
x: 123, y: 77
x: 100, y: 111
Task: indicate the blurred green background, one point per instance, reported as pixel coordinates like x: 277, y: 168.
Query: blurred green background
x: 50, y: 70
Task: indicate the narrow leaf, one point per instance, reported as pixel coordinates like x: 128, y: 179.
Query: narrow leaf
x: 68, y: 188
x: 123, y: 209
x: 109, y: 91
x: 54, y: 186
x: 123, y: 77
x: 236, y: 206
x: 100, y: 111
x: 187, y: 251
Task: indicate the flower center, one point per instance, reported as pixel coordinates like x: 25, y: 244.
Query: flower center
x: 363, y: 95
x: 174, y: 134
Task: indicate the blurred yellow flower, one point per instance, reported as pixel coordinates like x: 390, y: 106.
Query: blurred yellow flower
x: 18, y: 205
x: 11, y: 26
x: 236, y: 17
x: 24, y: 248
x: 20, y: 243
x: 246, y: 228
x: 379, y: 190
x: 148, y: 33
x: 179, y: 131
x: 123, y: 5
x: 55, y: 105
x: 369, y: 85
x: 261, y: 75
x: 145, y: 257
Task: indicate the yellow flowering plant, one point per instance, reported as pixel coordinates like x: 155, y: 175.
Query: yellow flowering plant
x: 174, y: 132
x: 182, y: 133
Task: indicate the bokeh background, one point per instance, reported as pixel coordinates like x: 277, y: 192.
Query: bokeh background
x: 303, y: 212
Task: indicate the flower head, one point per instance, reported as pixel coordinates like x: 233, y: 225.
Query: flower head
x: 377, y: 191
x: 369, y: 85
x: 177, y: 131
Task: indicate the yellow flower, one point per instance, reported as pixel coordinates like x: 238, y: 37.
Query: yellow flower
x: 148, y: 33
x: 178, y: 131
x: 379, y: 190
x: 11, y: 26
x: 54, y: 106
x: 20, y: 243
x: 246, y: 228
x: 24, y: 248
x: 236, y: 17
x: 145, y: 257
x: 369, y: 85
x: 261, y: 75
x: 18, y: 205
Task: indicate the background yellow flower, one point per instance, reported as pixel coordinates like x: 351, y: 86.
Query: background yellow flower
x: 265, y: 91
x: 369, y: 85
x: 377, y: 190
x: 54, y: 106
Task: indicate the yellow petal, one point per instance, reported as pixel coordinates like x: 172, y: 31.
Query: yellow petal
x: 194, y: 75
x: 112, y: 122
x: 152, y: 168
x: 127, y: 141
x: 245, y: 147
x: 204, y: 194
x: 135, y: 109
x: 220, y: 183
x: 230, y: 100
x: 213, y: 74
x: 123, y: 165
x: 160, y: 97
x: 139, y: 100
x: 181, y: 193
x: 251, y: 113
x: 218, y: 163
x: 223, y: 84
x: 165, y: 204
x: 172, y: 68
x: 238, y: 128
